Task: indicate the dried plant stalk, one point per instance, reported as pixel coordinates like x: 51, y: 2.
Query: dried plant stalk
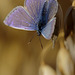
x: 65, y: 65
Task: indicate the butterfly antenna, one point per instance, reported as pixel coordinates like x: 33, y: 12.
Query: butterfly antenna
x: 40, y: 42
x: 31, y: 39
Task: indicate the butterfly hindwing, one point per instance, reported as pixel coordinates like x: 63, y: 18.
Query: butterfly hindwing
x: 48, y: 30
x: 52, y: 8
x: 20, y: 19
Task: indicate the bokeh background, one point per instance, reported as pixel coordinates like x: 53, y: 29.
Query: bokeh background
x: 19, y: 58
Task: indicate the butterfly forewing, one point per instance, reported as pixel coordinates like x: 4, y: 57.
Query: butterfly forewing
x: 20, y: 19
x: 34, y: 7
x: 48, y: 30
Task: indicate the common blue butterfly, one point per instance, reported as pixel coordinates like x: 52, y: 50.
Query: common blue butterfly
x: 36, y: 15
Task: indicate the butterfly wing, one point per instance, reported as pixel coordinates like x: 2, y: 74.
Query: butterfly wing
x: 19, y: 18
x: 35, y: 7
x: 49, y: 29
x: 52, y: 8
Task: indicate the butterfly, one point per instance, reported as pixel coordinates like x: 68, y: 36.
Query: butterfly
x: 36, y: 15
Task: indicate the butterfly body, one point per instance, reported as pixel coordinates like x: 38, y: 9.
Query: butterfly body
x: 43, y: 21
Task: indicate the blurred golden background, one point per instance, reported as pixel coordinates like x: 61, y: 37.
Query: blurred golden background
x: 19, y: 58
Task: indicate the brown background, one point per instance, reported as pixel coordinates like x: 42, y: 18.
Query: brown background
x: 16, y: 57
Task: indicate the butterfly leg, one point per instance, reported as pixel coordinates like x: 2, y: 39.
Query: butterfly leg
x: 31, y: 39
x: 40, y: 42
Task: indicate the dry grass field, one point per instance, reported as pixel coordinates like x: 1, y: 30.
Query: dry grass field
x: 19, y: 58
